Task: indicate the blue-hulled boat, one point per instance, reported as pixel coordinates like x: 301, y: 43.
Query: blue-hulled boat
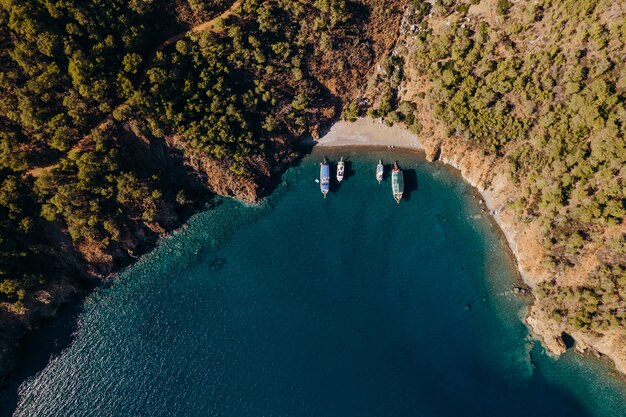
x: 324, y: 177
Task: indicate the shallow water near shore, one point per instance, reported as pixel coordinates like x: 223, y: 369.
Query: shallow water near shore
x: 349, y: 306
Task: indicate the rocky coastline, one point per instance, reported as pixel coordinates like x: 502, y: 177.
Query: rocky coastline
x: 491, y: 178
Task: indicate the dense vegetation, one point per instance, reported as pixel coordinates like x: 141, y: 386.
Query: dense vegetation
x: 106, y: 129
x: 553, y: 104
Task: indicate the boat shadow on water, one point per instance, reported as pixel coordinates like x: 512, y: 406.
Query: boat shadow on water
x: 410, y: 183
x: 387, y: 171
x: 52, y: 336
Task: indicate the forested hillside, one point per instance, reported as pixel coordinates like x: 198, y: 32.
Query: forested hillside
x: 540, y: 89
x: 119, y: 118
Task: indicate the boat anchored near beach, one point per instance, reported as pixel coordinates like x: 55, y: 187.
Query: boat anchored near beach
x: 324, y: 177
x: 397, y: 182
x: 340, y: 170
x: 380, y: 170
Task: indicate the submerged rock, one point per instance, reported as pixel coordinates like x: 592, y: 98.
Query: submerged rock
x: 520, y: 290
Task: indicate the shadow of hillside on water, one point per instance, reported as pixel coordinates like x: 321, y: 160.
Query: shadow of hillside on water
x: 53, y: 335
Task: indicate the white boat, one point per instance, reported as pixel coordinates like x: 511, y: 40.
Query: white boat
x: 340, y: 169
x: 380, y: 169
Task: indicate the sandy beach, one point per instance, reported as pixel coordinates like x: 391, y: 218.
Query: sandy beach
x: 368, y: 132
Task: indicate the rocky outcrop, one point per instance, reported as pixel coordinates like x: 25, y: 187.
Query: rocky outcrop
x: 491, y: 178
x: 433, y: 151
x: 221, y: 179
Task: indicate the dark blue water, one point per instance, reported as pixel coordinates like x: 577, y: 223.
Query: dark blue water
x: 349, y: 306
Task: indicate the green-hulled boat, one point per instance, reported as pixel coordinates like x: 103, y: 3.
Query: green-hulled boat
x: 397, y: 182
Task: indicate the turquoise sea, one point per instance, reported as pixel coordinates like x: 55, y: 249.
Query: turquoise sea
x: 349, y: 306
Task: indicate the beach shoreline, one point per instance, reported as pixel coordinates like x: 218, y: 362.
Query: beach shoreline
x: 368, y: 136
x: 373, y: 134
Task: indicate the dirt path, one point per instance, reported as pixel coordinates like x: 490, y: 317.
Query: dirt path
x: 201, y: 27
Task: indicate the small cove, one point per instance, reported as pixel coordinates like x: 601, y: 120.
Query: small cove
x: 350, y: 306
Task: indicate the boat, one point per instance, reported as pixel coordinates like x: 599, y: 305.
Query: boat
x: 324, y: 177
x: 380, y: 170
x: 340, y: 169
x: 397, y: 182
